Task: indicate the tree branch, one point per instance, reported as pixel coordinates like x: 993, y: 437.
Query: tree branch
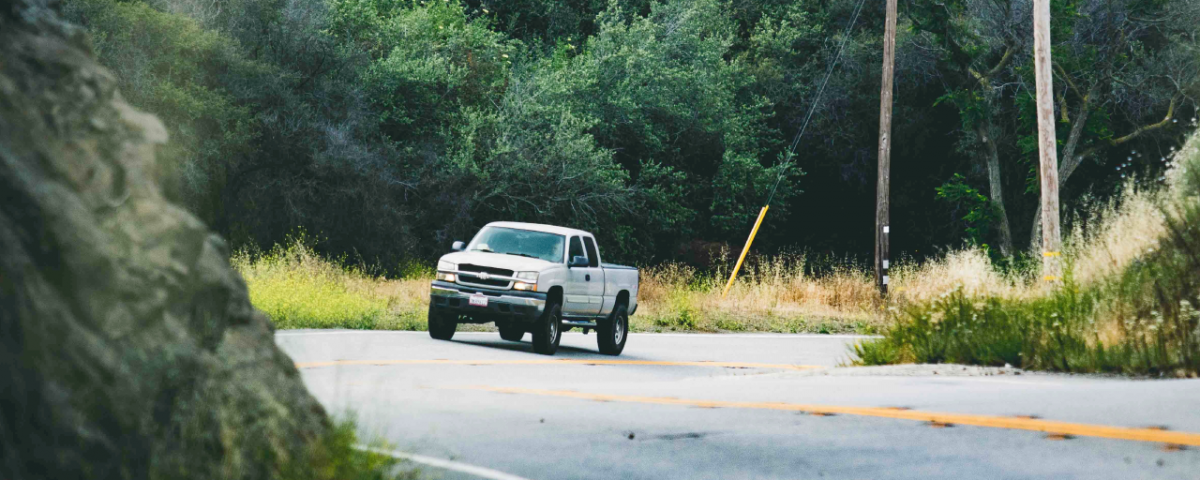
x: 1146, y: 128
x: 1062, y: 72
x: 984, y: 79
x: 1138, y: 132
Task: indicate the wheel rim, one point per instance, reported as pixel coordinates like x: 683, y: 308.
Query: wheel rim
x: 553, y: 327
x: 618, y: 330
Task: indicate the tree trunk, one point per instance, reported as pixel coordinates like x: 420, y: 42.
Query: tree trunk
x: 995, y: 186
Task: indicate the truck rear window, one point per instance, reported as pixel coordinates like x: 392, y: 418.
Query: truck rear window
x: 593, y: 255
x: 576, y: 249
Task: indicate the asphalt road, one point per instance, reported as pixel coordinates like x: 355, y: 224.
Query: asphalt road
x: 691, y: 406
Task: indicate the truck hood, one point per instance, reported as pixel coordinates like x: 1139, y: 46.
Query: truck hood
x: 498, y: 260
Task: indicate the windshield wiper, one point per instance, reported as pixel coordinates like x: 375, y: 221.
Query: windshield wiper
x: 520, y: 254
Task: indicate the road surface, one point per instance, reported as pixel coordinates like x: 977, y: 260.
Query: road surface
x: 694, y: 406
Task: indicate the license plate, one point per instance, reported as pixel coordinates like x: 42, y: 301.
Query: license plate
x: 477, y: 301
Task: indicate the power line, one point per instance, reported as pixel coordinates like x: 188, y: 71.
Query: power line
x: 817, y: 101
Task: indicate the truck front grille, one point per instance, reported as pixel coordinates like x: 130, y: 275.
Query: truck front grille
x: 469, y: 274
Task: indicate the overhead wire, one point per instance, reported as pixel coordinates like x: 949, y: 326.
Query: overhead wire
x: 792, y: 148
x: 817, y: 99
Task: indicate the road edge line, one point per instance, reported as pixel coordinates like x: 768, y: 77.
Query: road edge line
x: 442, y: 463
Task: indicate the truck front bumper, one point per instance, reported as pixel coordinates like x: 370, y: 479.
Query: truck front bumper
x: 503, y: 305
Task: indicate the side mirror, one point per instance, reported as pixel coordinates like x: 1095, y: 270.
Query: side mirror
x: 578, y: 261
x: 458, y: 246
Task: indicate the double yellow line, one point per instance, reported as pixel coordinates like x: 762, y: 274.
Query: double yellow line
x: 564, y: 361
x: 1057, y: 429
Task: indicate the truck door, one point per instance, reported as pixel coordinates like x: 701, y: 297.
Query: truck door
x: 597, y: 284
x: 579, y: 280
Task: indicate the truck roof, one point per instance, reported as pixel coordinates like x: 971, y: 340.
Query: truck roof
x: 538, y: 227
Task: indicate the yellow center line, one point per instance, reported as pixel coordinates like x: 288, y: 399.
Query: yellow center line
x: 563, y: 361
x: 1157, y: 435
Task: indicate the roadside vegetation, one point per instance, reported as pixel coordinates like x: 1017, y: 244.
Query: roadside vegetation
x: 1130, y: 301
x: 797, y: 293
x: 335, y: 457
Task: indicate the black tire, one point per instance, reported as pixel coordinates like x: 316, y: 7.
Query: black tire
x: 511, y: 332
x: 613, y: 332
x: 441, y: 325
x: 548, y: 330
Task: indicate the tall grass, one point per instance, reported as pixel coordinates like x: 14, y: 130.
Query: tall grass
x: 794, y: 293
x: 1128, y: 303
x: 335, y: 456
x: 298, y: 288
x: 773, y: 294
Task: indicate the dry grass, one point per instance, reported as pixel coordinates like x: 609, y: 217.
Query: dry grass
x: 969, y: 270
x: 1120, y: 233
x: 774, y: 295
x: 300, y: 289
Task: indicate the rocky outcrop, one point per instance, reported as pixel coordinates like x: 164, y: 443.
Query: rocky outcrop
x: 128, y: 347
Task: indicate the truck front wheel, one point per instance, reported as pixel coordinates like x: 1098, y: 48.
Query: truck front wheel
x: 612, y: 332
x: 441, y: 325
x: 548, y: 330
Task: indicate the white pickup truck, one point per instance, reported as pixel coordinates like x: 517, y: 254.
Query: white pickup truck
x: 533, y: 278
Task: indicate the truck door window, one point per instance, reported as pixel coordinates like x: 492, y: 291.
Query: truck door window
x: 593, y: 256
x: 576, y: 249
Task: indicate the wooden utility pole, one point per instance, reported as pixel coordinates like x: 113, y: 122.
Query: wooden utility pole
x: 1047, y: 143
x: 882, y: 230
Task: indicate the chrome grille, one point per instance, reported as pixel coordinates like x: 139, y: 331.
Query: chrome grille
x: 478, y: 275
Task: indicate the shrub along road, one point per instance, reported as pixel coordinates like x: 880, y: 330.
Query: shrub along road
x: 738, y: 406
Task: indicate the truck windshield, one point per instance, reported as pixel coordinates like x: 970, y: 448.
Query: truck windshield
x: 525, y: 243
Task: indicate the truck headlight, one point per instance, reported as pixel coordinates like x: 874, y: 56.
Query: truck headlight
x: 444, y: 269
x: 528, y: 283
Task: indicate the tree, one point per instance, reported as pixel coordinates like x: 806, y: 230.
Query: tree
x: 1109, y: 56
x: 678, y: 116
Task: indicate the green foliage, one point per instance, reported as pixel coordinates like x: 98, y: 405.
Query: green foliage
x: 677, y: 115
x: 981, y: 212
x: 335, y: 456
x: 882, y: 351
x: 429, y: 62
x: 392, y: 127
x: 1145, y: 320
x: 297, y: 289
x: 166, y: 62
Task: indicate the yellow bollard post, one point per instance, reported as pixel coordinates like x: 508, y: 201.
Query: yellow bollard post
x: 745, y: 249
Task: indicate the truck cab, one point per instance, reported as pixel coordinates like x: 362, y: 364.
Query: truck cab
x: 534, y: 278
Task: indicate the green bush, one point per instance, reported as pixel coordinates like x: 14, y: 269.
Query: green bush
x: 1145, y: 319
x: 299, y: 289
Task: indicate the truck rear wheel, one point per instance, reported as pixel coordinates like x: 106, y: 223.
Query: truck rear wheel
x: 511, y: 332
x: 548, y: 330
x: 441, y: 325
x: 612, y: 332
